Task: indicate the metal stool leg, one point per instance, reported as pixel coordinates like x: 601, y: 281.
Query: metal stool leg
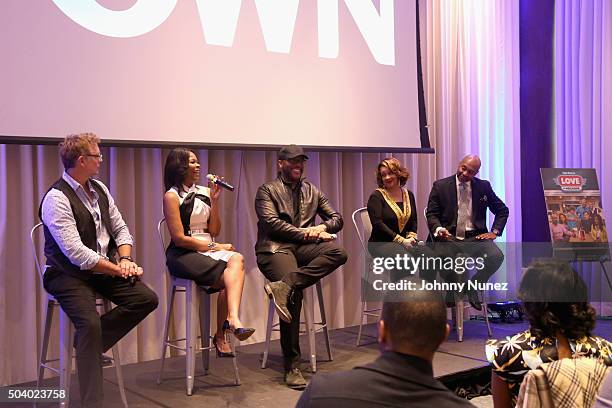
x: 66, y: 340
x: 235, y: 362
x: 308, y: 306
x: 269, y: 328
x: 117, y: 360
x: 485, y: 311
x: 45, y: 342
x: 459, y: 306
x: 324, y: 320
x: 191, y: 306
x: 171, y: 293
x: 205, y: 329
x: 363, y: 307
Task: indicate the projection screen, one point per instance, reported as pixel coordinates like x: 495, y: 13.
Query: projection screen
x: 339, y: 74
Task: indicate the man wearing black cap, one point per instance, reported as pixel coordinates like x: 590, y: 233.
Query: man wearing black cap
x: 293, y: 252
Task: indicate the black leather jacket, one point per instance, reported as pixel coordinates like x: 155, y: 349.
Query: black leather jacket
x: 276, y: 228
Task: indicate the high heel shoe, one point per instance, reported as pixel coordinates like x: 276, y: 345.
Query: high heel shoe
x: 241, y: 333
x: 222, y: 353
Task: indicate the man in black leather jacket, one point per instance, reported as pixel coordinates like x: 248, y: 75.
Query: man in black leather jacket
x: 293, y: 252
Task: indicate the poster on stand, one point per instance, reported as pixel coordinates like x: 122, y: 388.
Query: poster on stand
x: 576, y: 220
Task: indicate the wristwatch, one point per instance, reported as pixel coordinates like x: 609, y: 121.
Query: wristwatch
x: 496, y: 231
x: 212, y: 245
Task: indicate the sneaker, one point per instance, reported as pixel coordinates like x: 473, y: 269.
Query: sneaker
x: 279, y: 292
x: 294, y: 379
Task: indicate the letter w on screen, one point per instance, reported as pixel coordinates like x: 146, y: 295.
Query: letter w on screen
x: 220, y: 18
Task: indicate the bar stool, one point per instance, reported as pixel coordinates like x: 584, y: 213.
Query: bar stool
x: 66, y: 336
x: 196, y: 297
x: 311, y: 327
x: 457, y: 312
x: 363, y: 226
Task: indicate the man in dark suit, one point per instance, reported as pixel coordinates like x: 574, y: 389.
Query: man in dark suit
x: 456, y: 217
x: 409, y: 333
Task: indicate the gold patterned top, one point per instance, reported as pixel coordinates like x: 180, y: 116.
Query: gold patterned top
x: 403, y: 215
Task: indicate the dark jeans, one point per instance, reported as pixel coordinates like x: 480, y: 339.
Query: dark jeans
x: 470, y: 246
x: 95, y: 334
x: 299, y: 266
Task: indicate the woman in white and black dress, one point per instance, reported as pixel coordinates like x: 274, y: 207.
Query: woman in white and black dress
x: 192, y: 216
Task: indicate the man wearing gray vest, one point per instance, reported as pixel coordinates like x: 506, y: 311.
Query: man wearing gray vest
x: 84, y: 235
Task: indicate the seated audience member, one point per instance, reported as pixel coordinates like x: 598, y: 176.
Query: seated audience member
x: 193, y: 219
x: 604, y: 395
x: 88, y: 248
x: 409, y: 333
x: 561, y: 323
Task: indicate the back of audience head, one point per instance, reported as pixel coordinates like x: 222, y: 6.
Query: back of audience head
x: 555, y: 299
x: 415, y: 325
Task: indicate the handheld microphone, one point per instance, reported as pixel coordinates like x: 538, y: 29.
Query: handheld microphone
x: 219, y: 182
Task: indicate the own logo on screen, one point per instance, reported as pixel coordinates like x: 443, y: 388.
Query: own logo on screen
x: 219, y: 19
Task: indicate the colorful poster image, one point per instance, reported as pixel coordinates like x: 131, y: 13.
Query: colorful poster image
x: 575, y: 217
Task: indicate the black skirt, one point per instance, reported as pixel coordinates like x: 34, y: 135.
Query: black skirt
x: 188, y: 264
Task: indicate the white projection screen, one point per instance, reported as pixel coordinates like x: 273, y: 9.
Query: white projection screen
x: 329, y: 74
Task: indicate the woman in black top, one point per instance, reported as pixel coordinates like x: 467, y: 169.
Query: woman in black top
x: 393, y: 214
x: 391, y: 207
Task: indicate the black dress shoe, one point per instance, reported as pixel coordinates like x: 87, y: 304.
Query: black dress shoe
x: 474, y: 300
x: 279, y: 292
x: 294, y: 379
x: 241, y: 333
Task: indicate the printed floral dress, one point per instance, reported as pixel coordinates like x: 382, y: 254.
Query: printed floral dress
x: 512, y: 357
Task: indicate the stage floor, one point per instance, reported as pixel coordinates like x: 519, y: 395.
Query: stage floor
x: 264, y: 387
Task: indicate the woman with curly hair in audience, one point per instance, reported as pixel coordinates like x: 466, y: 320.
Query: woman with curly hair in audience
x: 561, y: 324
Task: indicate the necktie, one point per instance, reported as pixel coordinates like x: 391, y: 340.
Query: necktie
x: 462, y: 211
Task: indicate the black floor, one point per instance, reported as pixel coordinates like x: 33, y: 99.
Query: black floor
x: 264, y: 388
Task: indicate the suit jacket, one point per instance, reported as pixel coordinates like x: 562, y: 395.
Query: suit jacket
x: 392, y: 380
x: 442, y: 206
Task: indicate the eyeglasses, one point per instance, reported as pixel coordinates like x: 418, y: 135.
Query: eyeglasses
x: 97, y: 156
